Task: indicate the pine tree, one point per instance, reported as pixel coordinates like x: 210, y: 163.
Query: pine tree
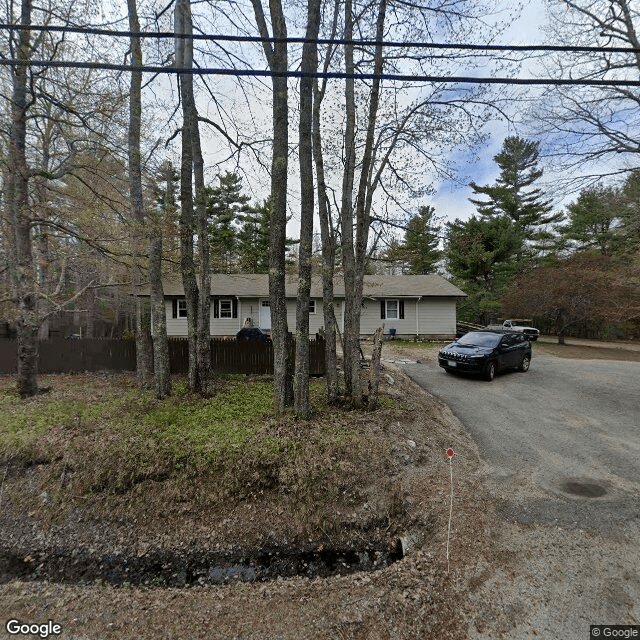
x: 593, y: 220
x: 513, y: 196
x: 421, y: 239
x: 226, y: 205
x: 253, y: 239
x: 481, y: 255
x: 483, y: 251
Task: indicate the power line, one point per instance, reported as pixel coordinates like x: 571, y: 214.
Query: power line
x: 337, y: 75
x: 322, y: 41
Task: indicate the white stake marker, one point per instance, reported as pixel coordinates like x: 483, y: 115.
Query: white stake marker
x: 450, y: 454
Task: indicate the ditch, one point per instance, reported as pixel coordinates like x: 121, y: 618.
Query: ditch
x: 197, y: 567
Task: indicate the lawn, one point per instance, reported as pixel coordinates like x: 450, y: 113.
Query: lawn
x: 97, y: 440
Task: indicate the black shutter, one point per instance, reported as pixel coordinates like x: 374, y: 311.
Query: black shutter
x: 382, y: 314
x: 174, y: 312
x: 234, y: 312
x: 216, y: 308
x: 401, y: 309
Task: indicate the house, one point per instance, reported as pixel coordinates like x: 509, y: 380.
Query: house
x: 421, y: 305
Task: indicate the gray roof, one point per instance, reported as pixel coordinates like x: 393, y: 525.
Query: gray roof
x: 256, y: 285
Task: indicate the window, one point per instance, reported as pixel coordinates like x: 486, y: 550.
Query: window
x: 181, y: 308
x: 312, y: 306
x: 226, y: 309
x: 391, y: 311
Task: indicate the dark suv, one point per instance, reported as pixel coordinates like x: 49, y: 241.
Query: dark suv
x: 486, y: 352
x: 253, y: 334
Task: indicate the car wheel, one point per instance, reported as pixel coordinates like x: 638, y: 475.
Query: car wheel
x: 524, y: 365
x: 490, y: 371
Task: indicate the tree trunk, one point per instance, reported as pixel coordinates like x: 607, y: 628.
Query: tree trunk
x: 327, y: 236
x: 203, y: 342
x: 135, y: 187
x: 184, y: 59
x: 350, y: 332
x: 21, y: 253
x: 374, y: 372
x: 560, y: 327
x: 90, y: 301
x: 161, y: 366
x: 277, y: 59
x: 328, y: 268
x: 309, y: 66
x: 364, y: 197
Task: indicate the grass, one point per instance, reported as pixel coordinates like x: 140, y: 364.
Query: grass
x: 97, y: 436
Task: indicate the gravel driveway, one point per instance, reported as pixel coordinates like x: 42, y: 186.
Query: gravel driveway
x: 562, y: 449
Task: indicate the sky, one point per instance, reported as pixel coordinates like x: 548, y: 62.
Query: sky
x: 449, y: 197
x: 249, y: 110
x: 452, y: 197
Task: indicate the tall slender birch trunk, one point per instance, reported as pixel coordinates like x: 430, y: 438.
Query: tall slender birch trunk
x: 351, y: 329
x: 161, y: 366
x: 135, y: 190
x: 309, y: 66
x: 363, y: 201
x: 184, y: 59
x: 277, y: 58
x: 327, y: 234
x: 203, y: 342
x: 24, y: 285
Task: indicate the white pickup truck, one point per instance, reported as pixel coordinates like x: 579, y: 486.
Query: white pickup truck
x: 520, y: 326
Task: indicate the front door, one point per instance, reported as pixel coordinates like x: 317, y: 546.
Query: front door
x: 265, y: 315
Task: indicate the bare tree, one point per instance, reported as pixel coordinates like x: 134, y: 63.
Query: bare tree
x: 17, y: 188
x: 327, y: 233
x: 53, y: 119
x: 277, y: 59
x: 351, y: 326
x: 197, y: 300
x: 166, y: 207
x: 135, y: 187
x: 585, y: 125
x: 582, y: 288
x: 309, y: 67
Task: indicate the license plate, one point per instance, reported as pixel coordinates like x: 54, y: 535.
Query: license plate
x: 451, y: 363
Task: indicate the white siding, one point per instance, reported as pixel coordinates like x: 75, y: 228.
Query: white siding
x: 438, y: 317
x: 316, y: 320
x: 217, y: 326
x: 175, y: 326
x: 371, y: 320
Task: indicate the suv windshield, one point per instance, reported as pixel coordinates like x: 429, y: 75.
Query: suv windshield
x: 479, y: 339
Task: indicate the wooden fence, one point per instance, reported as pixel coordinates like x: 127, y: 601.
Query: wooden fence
x: 227, y: 356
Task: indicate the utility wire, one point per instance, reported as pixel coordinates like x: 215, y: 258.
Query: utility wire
x: 322, y: 41
x: 337, y: 75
